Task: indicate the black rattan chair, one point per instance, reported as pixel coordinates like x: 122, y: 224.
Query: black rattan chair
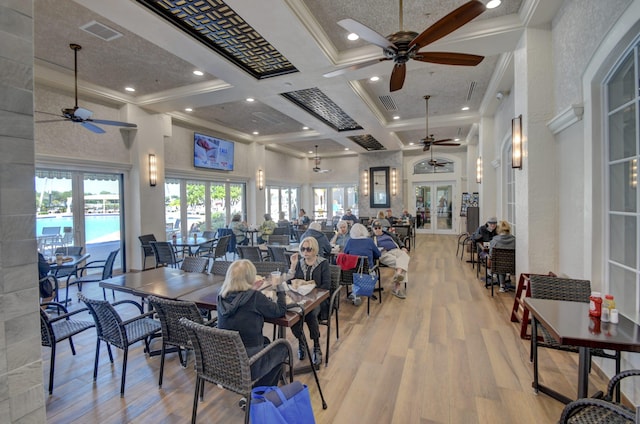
x: 590, y: 410
x: 222, y: 359
x: 503, y: 261
x: 266, y: 268
x: 331, y: 307
x: 347, y: 278
x: 114, y: 331
x: 147, y: 250
x: 107, y: 272
x: 195, y: 264
x: 220, y: 267
x: 165, y: 253
x: 219, y: 250
x: 281, y: 240
x: 555, y: 288
x: 251, y: 253
x: 59, y: 328
x: 173, y: 333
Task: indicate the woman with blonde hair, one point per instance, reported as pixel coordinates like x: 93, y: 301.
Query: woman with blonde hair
x: 308, y: 265
x: 243, y: 309
x: 502, y: 240
x: 381, y: 217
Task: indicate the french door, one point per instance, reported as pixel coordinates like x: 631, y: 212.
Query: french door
x: 434, y: 207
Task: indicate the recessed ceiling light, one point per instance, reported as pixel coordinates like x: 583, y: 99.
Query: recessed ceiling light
x: 465, y: 107
x: 411, y: 144
x: 374, y: 78
x: 493, y: 4
x: 346, y: 148
x: 188, y: 109
x: 130, y: 89
x: 256, y: 133
x: 396, y: 117
x: 456, y: 139
x: 198, y: 73
x: 310, y: 151
x: 353, y: 36
x: 251, y: 99
x: 305, y: 128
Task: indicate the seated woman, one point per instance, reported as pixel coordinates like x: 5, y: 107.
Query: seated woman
x: 392, y: 256
x: 239, y: 229
x: 266, y: 229
x: 243, y: 309
x: 360, y: 244
x: 382, y: 219
x: 342, y: 235
x: 316, y: 268
x: 502, y: 240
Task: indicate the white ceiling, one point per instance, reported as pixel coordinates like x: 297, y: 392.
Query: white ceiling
x: 158, y: 59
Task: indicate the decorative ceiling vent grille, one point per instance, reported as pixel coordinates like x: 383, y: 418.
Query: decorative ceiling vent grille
x: 388, y: 103
x: 101, y: 31
x: 216, y: 25
x: 472, y: 86
x: 322, y: 107
x: 367, y: 142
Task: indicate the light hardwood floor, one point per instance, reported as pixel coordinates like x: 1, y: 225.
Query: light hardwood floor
x: 446, y: 354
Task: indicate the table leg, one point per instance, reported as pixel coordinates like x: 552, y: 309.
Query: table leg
x: 584, y: 358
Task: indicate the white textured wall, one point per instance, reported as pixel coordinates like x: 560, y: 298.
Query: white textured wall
x: 578, y: 28
x: 21, y: 389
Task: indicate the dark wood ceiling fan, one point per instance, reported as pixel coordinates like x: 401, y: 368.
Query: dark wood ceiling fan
x: 81, y: 115
x: 403, y: 46
x: 430, y: 140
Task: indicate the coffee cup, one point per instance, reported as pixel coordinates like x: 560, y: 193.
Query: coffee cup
x: 275, y: 277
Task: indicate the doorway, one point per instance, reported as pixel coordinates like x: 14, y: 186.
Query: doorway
x: 434, y: 207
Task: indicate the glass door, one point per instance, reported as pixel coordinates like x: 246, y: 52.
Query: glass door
x: 434, y: 207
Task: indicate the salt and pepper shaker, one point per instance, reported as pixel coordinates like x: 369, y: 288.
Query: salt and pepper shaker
x: 614, y: 318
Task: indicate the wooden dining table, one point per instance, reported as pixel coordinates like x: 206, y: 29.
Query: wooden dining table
x: 569, y: 323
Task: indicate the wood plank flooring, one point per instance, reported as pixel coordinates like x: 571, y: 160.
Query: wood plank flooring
x: 446, y: 354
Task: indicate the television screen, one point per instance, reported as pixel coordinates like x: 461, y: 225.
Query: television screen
x: 212, y: 152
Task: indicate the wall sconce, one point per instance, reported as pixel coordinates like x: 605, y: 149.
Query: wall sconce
x: 153, y: 170
x: 516, y: 142
x: 260, y: 180
x: 365, y: 182
x: 394, y: 184
x: 633, y: 177
x: 479, y: 170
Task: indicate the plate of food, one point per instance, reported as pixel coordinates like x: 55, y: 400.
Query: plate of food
x: 301, y: 286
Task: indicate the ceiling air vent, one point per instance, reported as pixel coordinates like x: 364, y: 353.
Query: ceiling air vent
x: 101, y: 31
x: 472, y: 87
x: 388, y: 103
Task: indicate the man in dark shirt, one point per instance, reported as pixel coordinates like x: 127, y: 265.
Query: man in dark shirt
x: 348, y: 216
x: 484, y: 234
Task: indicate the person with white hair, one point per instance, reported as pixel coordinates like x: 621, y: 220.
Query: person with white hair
x: 315, y: 231
x: 342, y: 235
x: 360, y: 244
x: 394, y: 256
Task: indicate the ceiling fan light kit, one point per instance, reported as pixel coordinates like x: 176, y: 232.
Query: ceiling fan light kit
x: 316, y: 161
x: 402, y: 46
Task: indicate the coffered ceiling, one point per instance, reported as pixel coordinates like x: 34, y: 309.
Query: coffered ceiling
x: 277, y: 52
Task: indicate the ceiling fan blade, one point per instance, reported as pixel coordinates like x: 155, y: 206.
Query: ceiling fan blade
x: 116, y: 123
x: 448, y: 144
x: 397, y: 76
x: 354, y: 67
x: 448, y: 58
x: 49, y: 113
x: 91, y: 127
x: 443, y: 140
x: 366, y: 33
x: 426, y: 147
x: 448, y: 24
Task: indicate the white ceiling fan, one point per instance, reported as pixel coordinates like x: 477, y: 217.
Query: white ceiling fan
x: 316, y: 167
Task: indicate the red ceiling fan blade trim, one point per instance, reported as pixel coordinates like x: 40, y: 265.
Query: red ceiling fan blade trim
x: 447, y: 58
x: 448, y: 24
x: 397, y: 76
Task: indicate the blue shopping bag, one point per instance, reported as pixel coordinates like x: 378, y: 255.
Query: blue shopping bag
x: 288, y: 404
x: 363, y: 284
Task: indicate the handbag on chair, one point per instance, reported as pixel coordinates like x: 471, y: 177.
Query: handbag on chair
x: 288, y: 404
x: 364, y: 283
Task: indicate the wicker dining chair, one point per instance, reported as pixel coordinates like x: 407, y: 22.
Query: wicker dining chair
x: 347, y: 278
x: 58, y: 328
x: 251, y: 253
x: 331, y: 307
x: 503, y: 261
x: 147, y: 250
x: 556, y: 288
x: 114, y: 331
x: 195, y: 264
x: 591, y: 410
x: 105, y: 265
x: 174, y: 333
x: 266, y: 268
x: 220, y: 267
x: 281, y: 240
x: 221, y: 359
x: 165, y: 253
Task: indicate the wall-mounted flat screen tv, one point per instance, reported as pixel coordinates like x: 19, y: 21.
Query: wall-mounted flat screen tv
x: 212, y: 152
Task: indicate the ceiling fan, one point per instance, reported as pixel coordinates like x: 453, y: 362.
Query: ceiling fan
x: 434, y: 164
x: 430, y: 140
x: 403, y: 45
x: 316, y: 167
x: 80, y: 115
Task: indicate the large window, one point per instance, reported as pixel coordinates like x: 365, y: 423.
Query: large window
x: 282, y: 199
x: 622, y: 153
x: 79, y: 209
x: 196, y: 206
x: 339, y: 197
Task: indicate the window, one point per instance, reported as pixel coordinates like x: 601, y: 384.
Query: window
x: 283, y: 199
x: 622, y: 154
x: 79, y: 209
x: 202, y: 205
